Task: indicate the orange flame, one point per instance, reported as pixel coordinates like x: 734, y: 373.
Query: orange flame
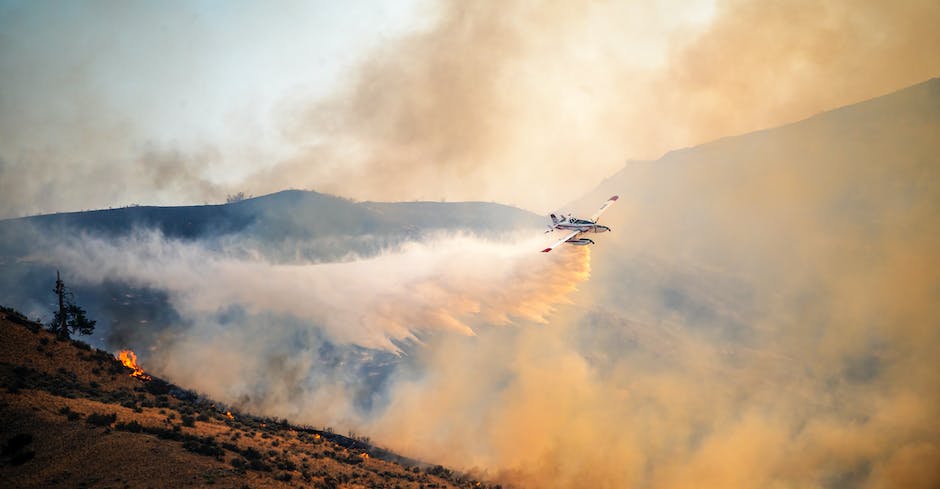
x: 229, y: 414
x: 129, y: 359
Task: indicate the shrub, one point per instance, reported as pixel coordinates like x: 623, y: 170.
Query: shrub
x: 15, y: 449
x: 203, y: 446
x: 164, y: 433
x: 328, y: 483
x: 157, y: 387
x: 69, y: 414
x: 133, y: 427
x: 101, y: 419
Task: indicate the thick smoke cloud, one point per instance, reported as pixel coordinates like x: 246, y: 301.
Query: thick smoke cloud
x: 494, y: 96
x: 515, y: 102
x: 444, y: 284
x: 764, y: 63
x: 318, y: 342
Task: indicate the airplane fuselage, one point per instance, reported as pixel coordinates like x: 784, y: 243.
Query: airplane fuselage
x: 582, y: 226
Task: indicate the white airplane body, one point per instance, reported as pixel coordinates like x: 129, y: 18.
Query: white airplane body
x: 576, y: 227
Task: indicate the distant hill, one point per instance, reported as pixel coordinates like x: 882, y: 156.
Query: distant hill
x: 843, y: 163
x: 289, y: 226
x: 73, y: 416
x: 278, y: 217
x: 845, y: 183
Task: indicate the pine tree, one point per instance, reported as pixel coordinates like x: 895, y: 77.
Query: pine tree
x: 70, y: 318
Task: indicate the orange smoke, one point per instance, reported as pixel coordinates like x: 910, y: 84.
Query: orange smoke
x: 535, y: 299
x: 129, y: 359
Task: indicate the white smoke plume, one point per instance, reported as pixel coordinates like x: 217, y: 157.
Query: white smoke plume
x: 449, y: 283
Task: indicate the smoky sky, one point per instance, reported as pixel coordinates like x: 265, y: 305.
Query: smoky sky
x: 524, y: 103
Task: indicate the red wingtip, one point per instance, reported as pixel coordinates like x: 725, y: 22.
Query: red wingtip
x: 546, y: 250
x: 614, y: 197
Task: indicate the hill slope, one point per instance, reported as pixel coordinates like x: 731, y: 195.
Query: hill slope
x: 74, y: 417
x: 838, y: 190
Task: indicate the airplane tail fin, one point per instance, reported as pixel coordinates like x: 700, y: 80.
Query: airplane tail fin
x: 554, y: 219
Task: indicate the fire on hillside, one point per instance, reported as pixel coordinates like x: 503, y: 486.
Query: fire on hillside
x: 129, y: 359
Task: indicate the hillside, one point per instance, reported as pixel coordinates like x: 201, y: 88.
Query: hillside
x: 74, y: 416
x: 843, y: 164
x: 298, y: 214
x: 844, y: 188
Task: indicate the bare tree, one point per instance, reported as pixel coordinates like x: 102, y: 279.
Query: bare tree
x: 70, y: 318
x: 240, y: 196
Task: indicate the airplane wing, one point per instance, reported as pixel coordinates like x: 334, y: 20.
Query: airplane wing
x: 562, y: 240
x: 604, y: 207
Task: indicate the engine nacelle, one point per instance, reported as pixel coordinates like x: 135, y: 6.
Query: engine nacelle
x: 580, y: 241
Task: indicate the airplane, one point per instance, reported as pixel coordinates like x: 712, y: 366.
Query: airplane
x: 576, y: 227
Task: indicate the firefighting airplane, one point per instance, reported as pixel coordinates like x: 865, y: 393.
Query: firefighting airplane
x: 575, y: 227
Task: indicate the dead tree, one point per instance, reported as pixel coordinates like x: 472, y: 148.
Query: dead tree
x: 60, y: 328
x: 70, y: 318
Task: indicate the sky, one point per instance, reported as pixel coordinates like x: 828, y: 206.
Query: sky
x: 114, y: 103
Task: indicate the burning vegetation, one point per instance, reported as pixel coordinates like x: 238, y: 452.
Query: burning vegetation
x: 206, y: 441
x: 129, y: 359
